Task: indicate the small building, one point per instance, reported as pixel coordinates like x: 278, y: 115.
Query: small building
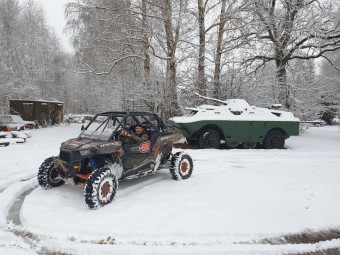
x: 44, y: 112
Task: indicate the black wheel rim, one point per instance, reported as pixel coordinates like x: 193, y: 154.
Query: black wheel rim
x: 276, y: 142
x: 212, y: 141
x: 54, y: 176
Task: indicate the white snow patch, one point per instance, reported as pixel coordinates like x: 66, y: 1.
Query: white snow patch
x: 10, y: 244
x: 233, y: 196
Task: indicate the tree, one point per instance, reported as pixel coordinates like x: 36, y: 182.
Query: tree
x: 201, y: 79
x: 218, y: 51
x: 10, y: 62
x: 172, y: 30
x: 286, y: 30
x: 108, y: 45
x: 122, y: 35
x: 330, y: 75
x: 32, y: 63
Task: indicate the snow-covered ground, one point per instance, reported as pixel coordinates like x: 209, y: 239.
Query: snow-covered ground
x: 233, y: 199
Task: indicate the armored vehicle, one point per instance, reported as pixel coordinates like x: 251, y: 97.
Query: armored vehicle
x: 238, y: 124
x: 98, y: 158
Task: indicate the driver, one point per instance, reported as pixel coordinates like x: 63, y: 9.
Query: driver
x: 138, y: 136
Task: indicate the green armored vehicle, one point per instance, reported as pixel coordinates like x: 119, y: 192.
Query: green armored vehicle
x: 238, y: 124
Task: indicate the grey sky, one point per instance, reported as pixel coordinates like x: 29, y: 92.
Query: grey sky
x: 54, y: 10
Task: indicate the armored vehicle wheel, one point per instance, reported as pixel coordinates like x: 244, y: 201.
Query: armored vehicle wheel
x: 274, y: 140
x: 232, y: 145
x: 48, y: 176
x: 191, y: 141
x: 249, y: 145
x: 210, y: 139
x: 100, y: 188
x: 181, y: 166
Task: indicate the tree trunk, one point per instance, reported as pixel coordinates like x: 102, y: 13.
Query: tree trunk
x: 171, y: 104
x: 201, y: 80
x: 284, y: 88
x: 146, y: 43
x: 148, y: 99
x: 172, y: 88
x: 281, y: 78
x: 218, y: 56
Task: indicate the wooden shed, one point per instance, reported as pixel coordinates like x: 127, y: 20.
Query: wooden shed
x: 44, y: 112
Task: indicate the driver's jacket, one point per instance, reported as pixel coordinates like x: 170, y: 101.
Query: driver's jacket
x: 135, y: 138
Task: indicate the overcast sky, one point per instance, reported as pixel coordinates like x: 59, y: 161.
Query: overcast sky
x: 54, y: 10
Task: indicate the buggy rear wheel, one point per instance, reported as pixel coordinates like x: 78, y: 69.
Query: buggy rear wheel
x: 181, y: 166
x: 100, y: 188
x: 48, y: 176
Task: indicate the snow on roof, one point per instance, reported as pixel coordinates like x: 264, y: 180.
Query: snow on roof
x: 14, y: 119
x: 38, y: 101
x: 231, y: 104
x: 237, y: 104
x: 235, y: 109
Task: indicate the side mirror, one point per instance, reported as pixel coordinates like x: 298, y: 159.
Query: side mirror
x: 82, y: 127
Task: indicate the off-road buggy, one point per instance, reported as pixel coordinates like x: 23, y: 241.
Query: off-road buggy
x: 98, y: 159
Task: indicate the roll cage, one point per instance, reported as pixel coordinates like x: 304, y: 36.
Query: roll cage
x: 151, y: 122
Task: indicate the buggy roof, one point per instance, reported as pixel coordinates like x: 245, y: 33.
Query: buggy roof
x: 128, y: 113
x: 122, y: 114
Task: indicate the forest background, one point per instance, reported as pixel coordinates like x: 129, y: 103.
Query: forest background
x: 155, y: 54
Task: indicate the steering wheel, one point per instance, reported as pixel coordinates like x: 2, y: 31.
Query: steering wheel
x: 118, y: 134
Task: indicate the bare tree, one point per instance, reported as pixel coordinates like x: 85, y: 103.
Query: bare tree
x: 292, y: 29
x: 201, y: 79
x: 152, y: 93
x: 229, y: 39
x: 146, y: 40
x: 109, y: 43
x: 330, y: 72
x: 172, y: 34
x: 30, y: 54
x: 218, y: 51
x: 329, y: 76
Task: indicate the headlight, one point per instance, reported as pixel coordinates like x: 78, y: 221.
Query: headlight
x: 84, y: 152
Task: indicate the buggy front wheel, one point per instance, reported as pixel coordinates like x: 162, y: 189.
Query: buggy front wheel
x: 100, y: 188
x: 48, y: 176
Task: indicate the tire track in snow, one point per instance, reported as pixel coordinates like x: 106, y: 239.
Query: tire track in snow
x: 14, y: 222
x: 14, y: 211
x: 131, y: 186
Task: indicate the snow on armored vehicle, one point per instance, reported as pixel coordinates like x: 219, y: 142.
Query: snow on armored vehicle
x: 237, y: 123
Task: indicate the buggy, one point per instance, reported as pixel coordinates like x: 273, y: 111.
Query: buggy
x: 97, y: 159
